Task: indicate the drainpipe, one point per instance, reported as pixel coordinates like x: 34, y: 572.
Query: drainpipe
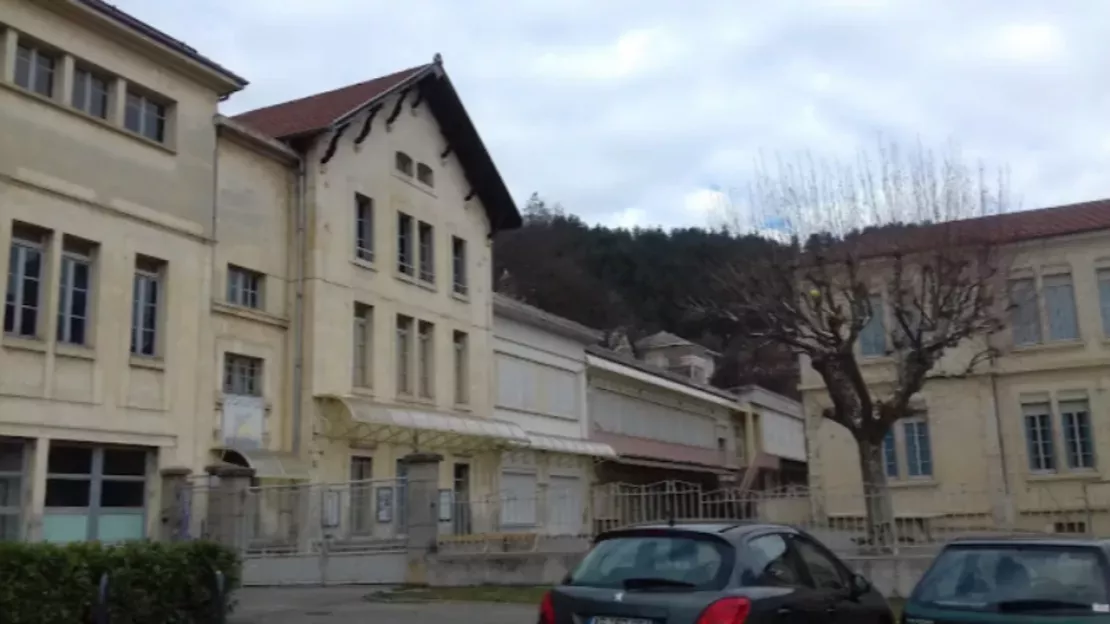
x: 298, y: 306
x: 1001, y: 439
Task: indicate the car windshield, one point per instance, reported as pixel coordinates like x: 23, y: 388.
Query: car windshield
x: 1017, y: 577
x: 668, y: 562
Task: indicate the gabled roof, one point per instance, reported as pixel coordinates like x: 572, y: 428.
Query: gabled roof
x: 317, y: 114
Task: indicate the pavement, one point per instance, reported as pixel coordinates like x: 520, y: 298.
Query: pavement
x: 331, y: 605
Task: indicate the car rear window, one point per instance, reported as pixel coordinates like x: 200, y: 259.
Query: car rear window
x: 697, y: 562
x: 987, y: 578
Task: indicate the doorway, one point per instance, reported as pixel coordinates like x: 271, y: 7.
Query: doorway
x: 461, y: 498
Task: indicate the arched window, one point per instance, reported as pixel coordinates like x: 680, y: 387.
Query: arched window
x: 425, y: 175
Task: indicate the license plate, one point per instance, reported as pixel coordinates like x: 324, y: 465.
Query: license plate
x: 605, y: 619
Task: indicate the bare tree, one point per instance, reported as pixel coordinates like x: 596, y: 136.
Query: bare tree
x: 887, y: 250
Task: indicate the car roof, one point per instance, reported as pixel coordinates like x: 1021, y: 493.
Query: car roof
x: 1038, y: 540
x: 733, y: 530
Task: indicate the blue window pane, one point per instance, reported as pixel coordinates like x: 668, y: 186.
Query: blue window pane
x: 890, y: 456
x: 919, y: 461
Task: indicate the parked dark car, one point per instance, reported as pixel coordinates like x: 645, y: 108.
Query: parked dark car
x: 1027, y: 580
x: 712, y: 574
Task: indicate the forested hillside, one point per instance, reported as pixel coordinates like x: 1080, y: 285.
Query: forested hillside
x: 637, y: 281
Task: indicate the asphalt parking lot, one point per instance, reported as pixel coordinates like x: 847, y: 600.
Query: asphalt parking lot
x: 331, y: 605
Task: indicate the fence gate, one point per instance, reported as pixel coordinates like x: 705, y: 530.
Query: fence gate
x: 307, y: 534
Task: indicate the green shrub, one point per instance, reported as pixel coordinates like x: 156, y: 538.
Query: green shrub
x: 148, y: 582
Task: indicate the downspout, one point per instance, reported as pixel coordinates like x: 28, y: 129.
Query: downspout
x: 298, y: 307
x: 998, y: 431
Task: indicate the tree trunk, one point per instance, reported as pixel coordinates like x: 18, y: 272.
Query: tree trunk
x: 877, y: 505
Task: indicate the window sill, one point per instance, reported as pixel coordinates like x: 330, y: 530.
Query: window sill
x: 405, y: 277
x: 426, y: 285
x: 103, y: 123
x: 147, y: 362
x: 924, y: 482
x: 23, y: 343
x: 221, y: 396
x: 1056, y: 345
x: 1083, y: 475
x: 75, y: 351
x: 369, y: 265
x: 362, y: 391
x: 248, y: 314
x: 458, y: 296
x: 411, y: 181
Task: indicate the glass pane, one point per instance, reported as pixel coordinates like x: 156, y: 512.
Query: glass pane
x: 23, y: 67
x: 67, y: 492
x: 133, y: 117
x: 125, y: 462
x: 704, y: 563
x: 44, y: 76
x: 76, y: 460
x: 118, y: 527
x: 62, y: 528
x: 11, y: 457
x: 10, y: 527
x: 11, y: 492
x: 122, y: 493
x: 80, y: 89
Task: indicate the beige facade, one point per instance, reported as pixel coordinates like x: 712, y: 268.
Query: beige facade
x: 106, y: 178
x: 186, y: 289
x: 1021, y: 442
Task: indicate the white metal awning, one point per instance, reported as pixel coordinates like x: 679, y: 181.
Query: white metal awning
x: 269, y: 464
x: 571, y: 446
x: 366, y: 421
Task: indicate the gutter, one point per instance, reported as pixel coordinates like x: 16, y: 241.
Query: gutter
x: 298, y: 306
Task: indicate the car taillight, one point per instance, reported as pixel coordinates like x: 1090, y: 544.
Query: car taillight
x: 726, y: 611
x: 547, y: 610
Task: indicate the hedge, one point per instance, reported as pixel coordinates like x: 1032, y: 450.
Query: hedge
x: 148, y: 582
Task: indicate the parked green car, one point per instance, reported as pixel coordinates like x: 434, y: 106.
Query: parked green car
x: 1015, y: 580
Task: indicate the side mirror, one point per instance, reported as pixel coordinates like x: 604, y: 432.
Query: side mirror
x: 860, y: 585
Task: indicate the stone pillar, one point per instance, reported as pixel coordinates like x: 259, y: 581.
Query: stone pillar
x: 422, y: 509
x: 36, y: 490
x: 177, y: 505
x: 9, y: 42
x: 229, y: 505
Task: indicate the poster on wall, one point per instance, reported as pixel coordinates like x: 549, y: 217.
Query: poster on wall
x: 384, y: 504
x: 242, y: 422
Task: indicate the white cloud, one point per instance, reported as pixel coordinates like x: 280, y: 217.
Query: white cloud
x: 625, y: 109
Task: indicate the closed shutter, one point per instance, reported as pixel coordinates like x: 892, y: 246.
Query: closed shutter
x: 518, y: 499
x: 565, y: 505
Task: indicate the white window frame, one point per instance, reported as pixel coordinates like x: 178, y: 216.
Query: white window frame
x: 1071, y: 446
x: 1037, y: 463
x: 458, y: 265
x: 89, y: 79
x: 243, y: 375
x: 364, y: 228
x: 145, y: 104
x: 878, y: 317
x: 362, y: 344
x: 426, y: 356
x: 140, y: 304
x: 96, y: 479
x: 66, y: 289
x: 1049, y: 281
x: 404, y: 339
x: 425, y: 175
x: 1102, y: 276
x: 36, y: 52
x: 17, y: 273
x: 404, y: 164
x: 426, y: 243
x: 406, y: 252
x: 526, y: 507
x: 245, y: 288
x: 461, y: 343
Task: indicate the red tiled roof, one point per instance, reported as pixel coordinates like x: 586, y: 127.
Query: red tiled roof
x: 1011, y: 227
x: 316, y: 112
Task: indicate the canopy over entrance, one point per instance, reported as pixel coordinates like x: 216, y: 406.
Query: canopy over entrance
x: 570, y: 446
x: 362, y: 421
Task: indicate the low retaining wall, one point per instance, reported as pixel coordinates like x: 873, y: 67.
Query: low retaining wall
x: 531, y: 568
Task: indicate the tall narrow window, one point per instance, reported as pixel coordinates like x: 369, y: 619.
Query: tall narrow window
x: 1025, y: 315
x: 462, y: 368
x: 427, y: 359
x: 403, y: 163
x: 145, y: 303
x: 23, y: 298
x: 872, y: 339
x: 427, y: 252
x: 362, y: 499
x: 244, y: 287
x: 364, y: 228
x: 919, y: 453
x: 404, y: 354
x: 458, y: 265
x: 363, y: 341
x: 1078, y: 442
x: 405, y: 260
x: 242, y: 375
x: 890, y: 455
x: 145, y: 117
x: 424, y: 175
x: 90, y: 92
x: 1104, y: 299
x: 1059, y: 305
x: 35, y: 68
x: 73, y: 290
x: 1038, y: 437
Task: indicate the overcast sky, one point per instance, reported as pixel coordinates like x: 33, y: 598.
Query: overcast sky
x: 633, y: 112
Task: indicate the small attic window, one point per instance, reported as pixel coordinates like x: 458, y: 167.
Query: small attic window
x: 424, y: 174
x: 404, y: 163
